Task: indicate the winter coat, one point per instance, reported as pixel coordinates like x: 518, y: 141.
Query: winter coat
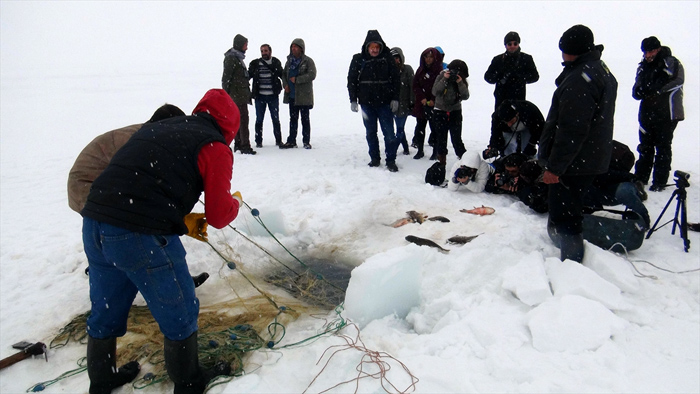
x: 483, y: 172
x: 275, y: 67
x: 304, y: 85
x: 92, y: 160
x: 449, y: 95
x: 528, y: 114
x: 510, y: 72
x: 406, y: 96
x: 577, y: 136
x: 373, y: 81
x: 235, y: 79
x: 424, y: 80
x: 659, y: 86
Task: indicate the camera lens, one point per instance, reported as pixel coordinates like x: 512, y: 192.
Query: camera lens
x: 681, y: 175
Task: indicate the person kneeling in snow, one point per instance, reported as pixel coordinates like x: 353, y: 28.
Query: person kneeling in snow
x: 470, y: 172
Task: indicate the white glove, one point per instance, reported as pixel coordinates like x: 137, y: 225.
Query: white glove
x: 394, y: 106
x: 353, y: 106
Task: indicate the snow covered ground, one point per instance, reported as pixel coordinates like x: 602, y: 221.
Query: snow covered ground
x: 499, y: 314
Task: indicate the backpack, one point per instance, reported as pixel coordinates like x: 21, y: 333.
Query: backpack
x: 435, y: 174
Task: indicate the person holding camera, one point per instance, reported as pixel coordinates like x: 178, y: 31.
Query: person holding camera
x: 450, y: 89
x: 506, y: 176
x: 470, y: 172
x: 511, y: 71
x: 659, y: 87
x: 516, y: 126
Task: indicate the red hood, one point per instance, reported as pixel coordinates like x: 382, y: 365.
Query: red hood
x: 217, y: 103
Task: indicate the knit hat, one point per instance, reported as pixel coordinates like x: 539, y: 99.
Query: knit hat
x: 239, y: 41
x: 511, y: 36
x: 577, y: 40
x: 650, y: 43
x: 460, y: 66
x: 506, y: 111
x: 164, y: 112
x: 218, y: 104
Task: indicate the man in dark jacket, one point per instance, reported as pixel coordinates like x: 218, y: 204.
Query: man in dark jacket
x: 374, y: 83
x: 511, y: 70
x: 576, y: 142
x: 266, y: 73
x: 516, y: 127
x: 236, y: 82
x: 132, y: 222
x: 659, y: 86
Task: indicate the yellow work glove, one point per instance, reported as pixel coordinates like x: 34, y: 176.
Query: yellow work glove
x: 237, y: 196
x: 196, y: 226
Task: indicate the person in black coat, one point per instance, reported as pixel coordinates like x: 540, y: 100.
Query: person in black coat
x: 266, y: 73
x: 576, y: 143
x: 374, y: 83
x: 659, y: 86
x: 516, y: 126
x: 511, y: 71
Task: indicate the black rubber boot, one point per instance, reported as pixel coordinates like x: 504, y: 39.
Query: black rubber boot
x: 571, y: 247
x: 182, y: 364
x: 102, y: 364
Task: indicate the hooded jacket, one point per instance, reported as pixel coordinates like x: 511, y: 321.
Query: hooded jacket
x: 450, y: 94
x: 483, y: 172
x: 406, y: 74
x: 577, y: 135
x: 373, y: 81
x: 156, y: 178
x: 424, y: 80
x: 659, y: 86
x: 235, y: 79
x: 304, y: 85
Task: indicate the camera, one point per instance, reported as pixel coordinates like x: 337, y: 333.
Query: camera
x: 464, y: 171
x: 489, y: 153
x: 681, y: 178
x: 453, y: 75
x: 505, y: 179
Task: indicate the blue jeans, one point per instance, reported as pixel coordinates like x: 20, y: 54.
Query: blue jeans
x: 294, y: 112
x: 124, y: 262
x: 401, y: 131
x: 261, y: 103
x: 621, y: 193
x: 370, y: 116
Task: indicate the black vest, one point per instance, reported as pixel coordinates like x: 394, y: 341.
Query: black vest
x: 153, y: 181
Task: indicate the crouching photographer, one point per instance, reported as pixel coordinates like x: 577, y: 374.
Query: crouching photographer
x: 506, y: 176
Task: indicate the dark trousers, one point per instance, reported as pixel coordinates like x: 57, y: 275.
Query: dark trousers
x: 261, y: 104
x: 401, y: 131
x: 654, y: 149
x: 242, y: 140
x: 421, y: 123
x: 566, y: 213
x: 448, y: 123
x: 294, y: 112
x: 382, y: 114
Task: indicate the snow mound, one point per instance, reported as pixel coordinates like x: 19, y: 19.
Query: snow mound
x: 528, y: 280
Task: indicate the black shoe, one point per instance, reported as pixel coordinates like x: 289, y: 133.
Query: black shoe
x: 406, y: 152
x: 419, y: 155
x: 657, y: 188
x: 640, y: 190
x: 258, y: 144
x: 199, y: 279
x: 307, y: 146
x: 434, y: 155
x: 391, y: 166
x: 101, y: 366
x: 278, y: 143
x: 374, y: 163
x: 288, y: 145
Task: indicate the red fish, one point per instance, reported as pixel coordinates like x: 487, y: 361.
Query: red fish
x: 482, y: 210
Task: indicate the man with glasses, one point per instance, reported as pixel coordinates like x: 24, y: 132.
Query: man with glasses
x: 511, y: 71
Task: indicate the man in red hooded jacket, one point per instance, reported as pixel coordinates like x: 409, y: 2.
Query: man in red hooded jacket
x: 132, y: 222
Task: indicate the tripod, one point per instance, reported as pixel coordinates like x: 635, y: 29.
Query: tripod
x: 680, y: 194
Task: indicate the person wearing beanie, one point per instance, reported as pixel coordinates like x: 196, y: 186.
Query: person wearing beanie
x: 511, y: 71
x: 298, y: 80
x: 576, y: 143
x: 132, y: 222
x: 236, y: 82
x: 374, y: 83
x: 266, y: 73
x: 450, y: 89
x: 659, y: 87
x: 405, y: 96
x: 516, y: 126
